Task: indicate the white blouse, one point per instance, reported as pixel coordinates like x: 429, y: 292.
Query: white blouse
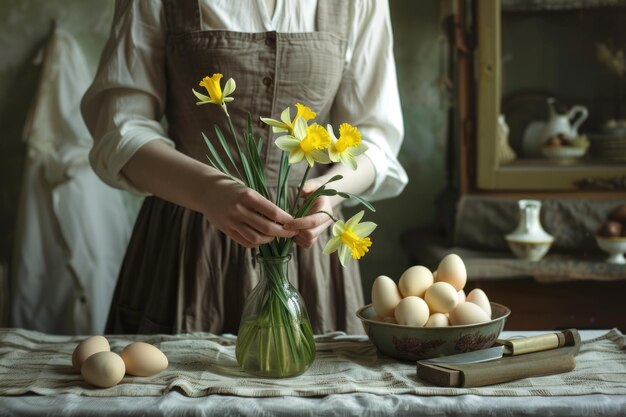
x: 123, y: 106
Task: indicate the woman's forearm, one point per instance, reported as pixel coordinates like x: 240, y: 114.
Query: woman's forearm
x: 161, y: 170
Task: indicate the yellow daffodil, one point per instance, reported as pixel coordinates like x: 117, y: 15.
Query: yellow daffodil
x: 285, y: 124
x: 307, y: 142
x: 214, y: 88
x: 347, y: 146
x: 351, y: 238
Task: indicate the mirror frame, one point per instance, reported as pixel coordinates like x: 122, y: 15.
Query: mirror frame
x: 537, y: 175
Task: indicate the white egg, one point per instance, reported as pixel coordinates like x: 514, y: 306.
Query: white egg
x: 385, y: 296
x: 452, y: 270
x: 467, y: 313
x: 462, y: 296
x: 412, y: 311
x: 437, y: 320
x: 143, y: 359
x: 103, y: 369
x: 415, y: 280
x: 441, y: 297
x: 478, y: 297
x: 88, y: 347
x: 391, y: 320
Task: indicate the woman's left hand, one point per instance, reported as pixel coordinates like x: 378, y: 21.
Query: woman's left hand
x: 311, y: 226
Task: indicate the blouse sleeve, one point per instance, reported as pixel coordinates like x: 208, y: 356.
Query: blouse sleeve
x: 368, y: 95
x: 123, y: 106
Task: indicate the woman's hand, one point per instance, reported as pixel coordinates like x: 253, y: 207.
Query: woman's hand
x: 311, y: 226
x: 245, y: 215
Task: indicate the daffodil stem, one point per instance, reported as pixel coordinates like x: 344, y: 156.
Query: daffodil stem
x: 295, y: 201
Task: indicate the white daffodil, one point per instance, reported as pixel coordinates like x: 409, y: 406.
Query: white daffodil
x: 286, y: 124
x: 350, y: 238
x: 216, y: 95
x: 307, y: 142
x: 347, y: 146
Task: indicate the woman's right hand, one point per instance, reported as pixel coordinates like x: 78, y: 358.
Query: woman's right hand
x: 243, y: 214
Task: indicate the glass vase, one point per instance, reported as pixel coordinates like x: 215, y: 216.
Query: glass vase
x: 275, y: 336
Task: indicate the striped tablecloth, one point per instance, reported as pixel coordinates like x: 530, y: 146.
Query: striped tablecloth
x: 201, y: 364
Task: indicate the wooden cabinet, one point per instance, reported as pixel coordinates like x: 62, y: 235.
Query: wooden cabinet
x: 532, y: 174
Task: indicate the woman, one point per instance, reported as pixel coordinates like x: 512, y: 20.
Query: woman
x: 188, y: 266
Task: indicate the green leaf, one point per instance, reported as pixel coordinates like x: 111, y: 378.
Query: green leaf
x: 255, y: 160
x: 358, y: 198
x: 259, y: 145
x: 222, y: 140
x: 283, y: 175
x: 216, y: 156
x: 333, y: 179
x: 246, y: 170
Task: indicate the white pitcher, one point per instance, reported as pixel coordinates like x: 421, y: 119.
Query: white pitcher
x: 566, y: 123
x: 529, y: 241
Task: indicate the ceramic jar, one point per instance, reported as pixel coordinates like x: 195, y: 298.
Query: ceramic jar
x: 529, y: 241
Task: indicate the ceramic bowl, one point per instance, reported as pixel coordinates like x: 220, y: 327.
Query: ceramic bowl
x: 615, y: 247
x: 529, y: 251
x: 410, y: 343
x: 563, y: 152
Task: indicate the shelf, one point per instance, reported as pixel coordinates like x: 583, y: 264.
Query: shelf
x: 426, y: 249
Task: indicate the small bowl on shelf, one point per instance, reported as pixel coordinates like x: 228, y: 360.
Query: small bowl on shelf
x: 563, y: 152
x: 409, y: 343
x: 615, y: 247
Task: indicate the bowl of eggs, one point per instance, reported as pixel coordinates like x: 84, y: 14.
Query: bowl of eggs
x: 428, y: 314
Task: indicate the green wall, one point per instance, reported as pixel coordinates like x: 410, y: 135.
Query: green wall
x: 24, y: 25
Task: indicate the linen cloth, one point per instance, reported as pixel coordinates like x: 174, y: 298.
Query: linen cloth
x: 72, y: 229
x: 201, y: 364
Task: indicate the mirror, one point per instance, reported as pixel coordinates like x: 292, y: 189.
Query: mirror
x: 551, y: 96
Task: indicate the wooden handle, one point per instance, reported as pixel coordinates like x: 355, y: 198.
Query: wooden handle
x: 540, y: 343
x: 501, y: 370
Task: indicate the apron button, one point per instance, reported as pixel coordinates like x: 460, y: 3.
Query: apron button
x: 267, y: 80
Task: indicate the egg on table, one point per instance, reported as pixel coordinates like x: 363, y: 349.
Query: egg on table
x: 103, y: 369
x: 88, y: 347
x: 143, y: 359
x: 385, y: 296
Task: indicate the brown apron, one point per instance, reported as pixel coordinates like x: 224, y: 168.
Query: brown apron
x: 180, y: 273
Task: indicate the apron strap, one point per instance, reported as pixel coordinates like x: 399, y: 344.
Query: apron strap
x: 332, y: 16
x: 182, y: 16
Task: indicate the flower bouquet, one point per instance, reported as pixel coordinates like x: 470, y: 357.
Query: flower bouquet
x: 275, y: 335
